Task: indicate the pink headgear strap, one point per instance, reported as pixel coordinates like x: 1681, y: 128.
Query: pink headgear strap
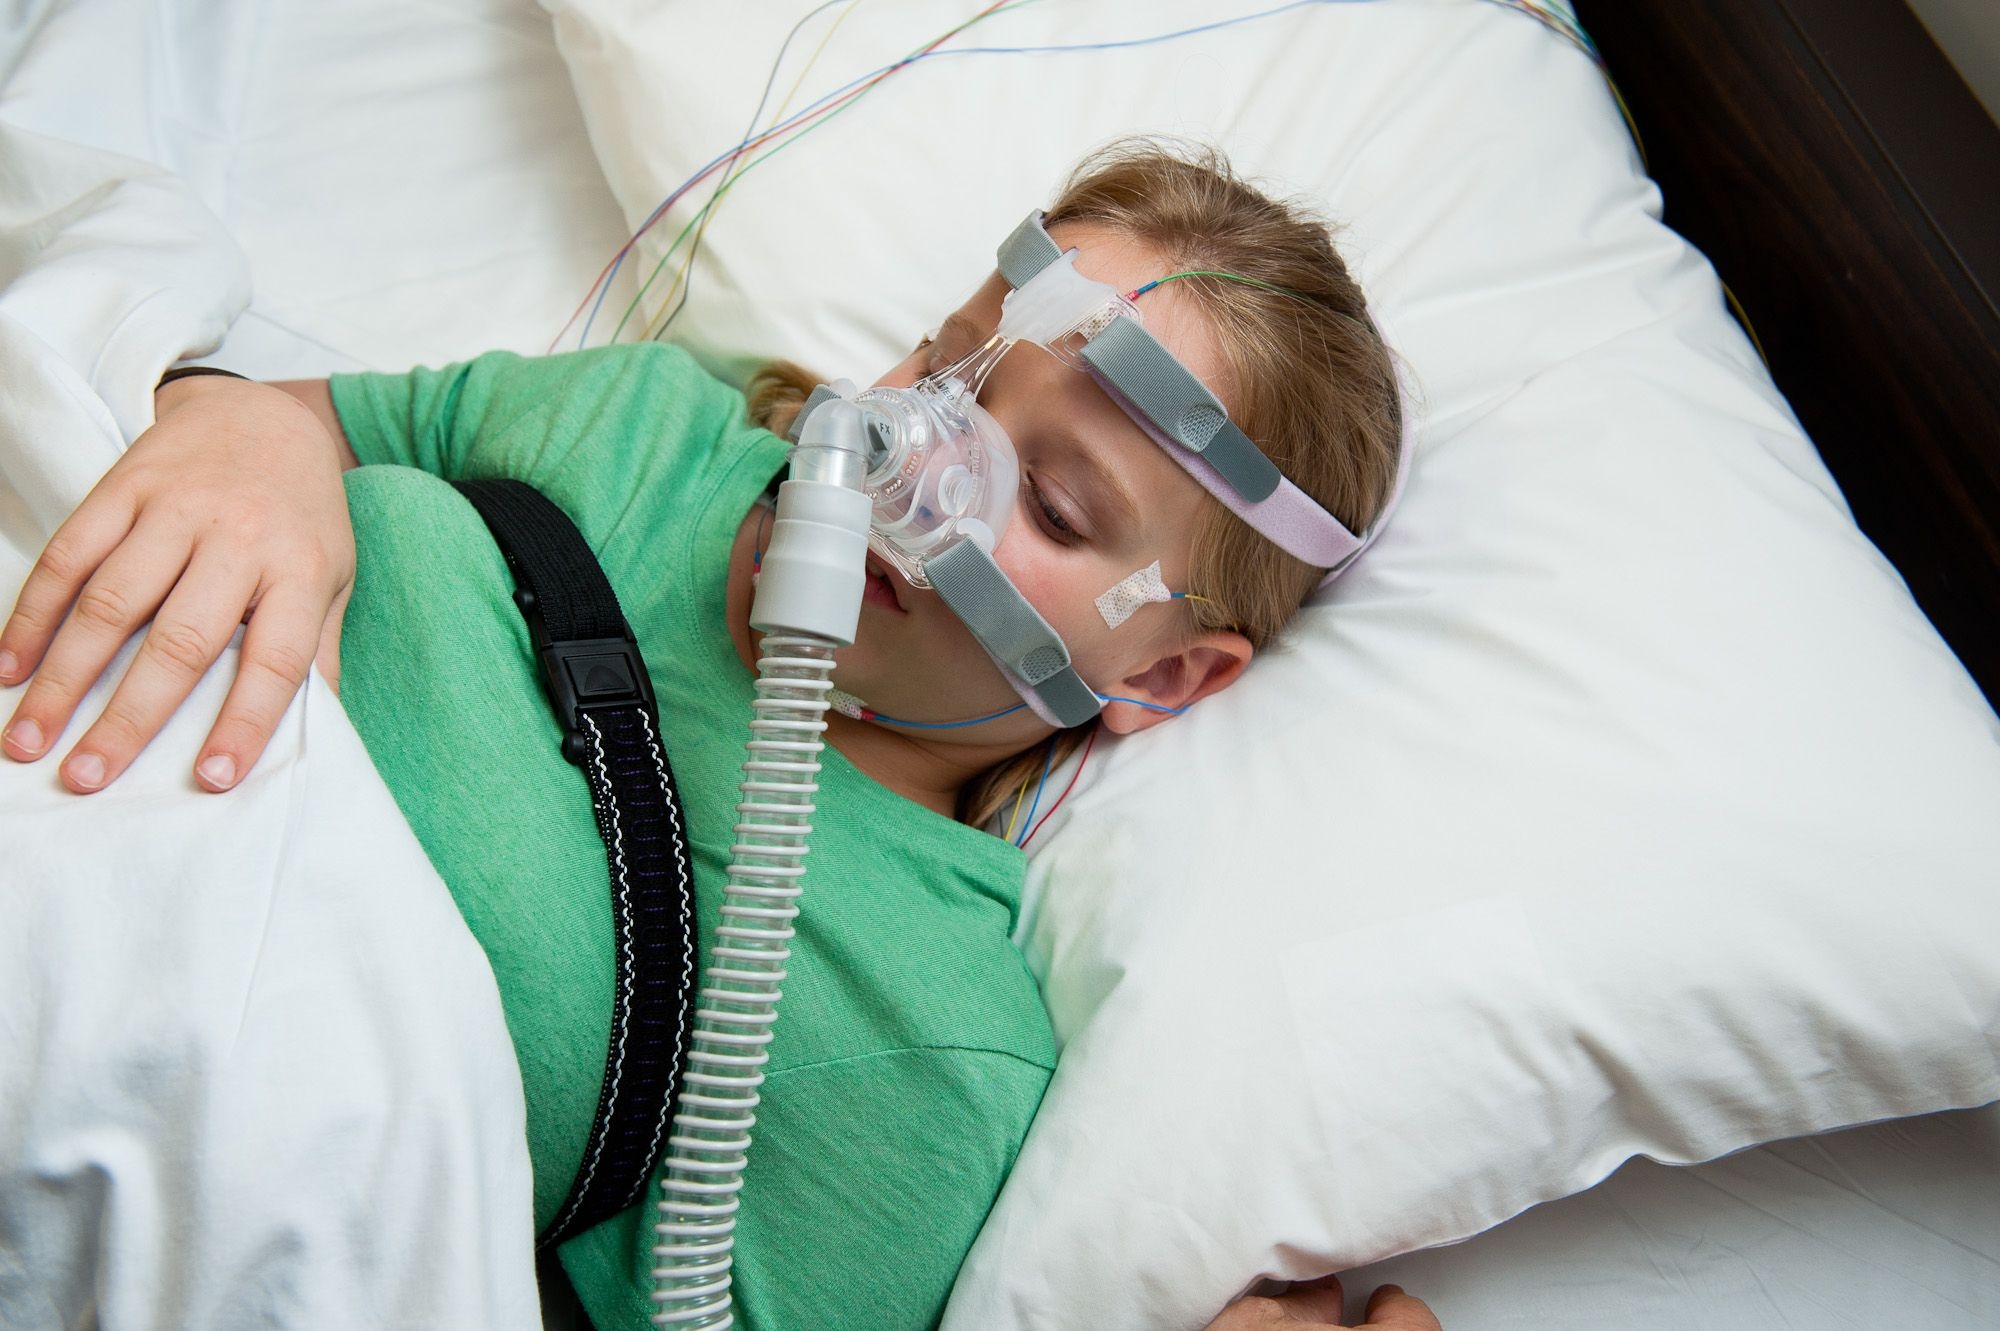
x: 1183, y: 417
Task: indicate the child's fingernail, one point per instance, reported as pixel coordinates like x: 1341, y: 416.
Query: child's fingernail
x: 25, y: 736
x: 219, y: 770
x: 87, y: 770
x: 9, y: 663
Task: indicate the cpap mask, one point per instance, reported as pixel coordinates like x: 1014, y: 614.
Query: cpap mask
x: 940, y: 469
x: 941, y: 474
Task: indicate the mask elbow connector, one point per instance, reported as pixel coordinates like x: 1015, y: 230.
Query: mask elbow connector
x: 815, y: 567
x: 833, y: 446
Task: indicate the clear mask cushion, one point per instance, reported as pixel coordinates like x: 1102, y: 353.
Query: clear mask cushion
x: 941, y: 470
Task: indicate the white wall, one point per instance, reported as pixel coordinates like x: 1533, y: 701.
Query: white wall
x: 1969, y: 32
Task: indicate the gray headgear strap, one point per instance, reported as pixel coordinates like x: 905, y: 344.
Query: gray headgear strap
x: 1013, y: 633
x: 1026, y: 252
x: 1180, y: 406
x: 1182, y: 416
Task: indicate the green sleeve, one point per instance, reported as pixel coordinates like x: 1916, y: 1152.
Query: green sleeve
x: 503, y: 414
x: 868, y: 1181
x: 409, y: 420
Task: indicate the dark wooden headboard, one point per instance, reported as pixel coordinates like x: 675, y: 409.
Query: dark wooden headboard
x: 1846, y: 185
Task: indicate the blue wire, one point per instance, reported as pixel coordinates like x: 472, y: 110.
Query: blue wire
x: 953, y: 725
x: 763, y: 100
x: 1031, y: 50
x: 609, y: 278
x: 947, y: 725
x: 1029, y: 821
x: 1149, y: 706
x: 1135, y: 41
x: 808, y: 110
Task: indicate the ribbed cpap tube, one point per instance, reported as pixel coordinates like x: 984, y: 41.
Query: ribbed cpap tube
x: 738, y: 1001
x: 807, y: 604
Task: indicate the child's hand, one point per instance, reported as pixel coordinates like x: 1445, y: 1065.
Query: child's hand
x: 1318, y: 1303
x: 229, y: 510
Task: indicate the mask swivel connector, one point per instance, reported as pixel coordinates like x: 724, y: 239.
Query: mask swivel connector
x: 813, y: 573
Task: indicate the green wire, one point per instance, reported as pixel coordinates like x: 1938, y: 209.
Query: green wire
x: 1231, y: 277
x: 716, y: 198
x: 1556, y: 21
x: 730, y: 181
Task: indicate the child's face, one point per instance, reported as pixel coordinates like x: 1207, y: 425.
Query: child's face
x: 1084, y: 464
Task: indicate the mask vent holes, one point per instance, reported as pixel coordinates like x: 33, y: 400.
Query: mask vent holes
x: 957, y: 489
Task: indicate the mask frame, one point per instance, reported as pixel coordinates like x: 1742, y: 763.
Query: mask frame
x: 1093, y: 326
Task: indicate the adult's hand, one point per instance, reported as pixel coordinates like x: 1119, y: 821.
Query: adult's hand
x: 1318, y: 1303
x: 229, y: 510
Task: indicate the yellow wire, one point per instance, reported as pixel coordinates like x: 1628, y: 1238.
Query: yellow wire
x: 1019, y: 795
x: 1630, y: 123
x: 1743, y: 317
x: 1645, y: 161
x: 686, y: 269
x: 654, y: 327
x: 799, y: 82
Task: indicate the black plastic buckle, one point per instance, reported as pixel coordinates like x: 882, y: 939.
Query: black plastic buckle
x: 585, y: 675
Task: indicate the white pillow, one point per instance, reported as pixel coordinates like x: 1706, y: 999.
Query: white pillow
x: 1620, y: 802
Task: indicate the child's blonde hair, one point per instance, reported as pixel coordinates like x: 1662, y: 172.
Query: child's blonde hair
x: 1312, y: 381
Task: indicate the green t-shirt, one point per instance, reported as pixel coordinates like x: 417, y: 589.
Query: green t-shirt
x: 912, y: 1047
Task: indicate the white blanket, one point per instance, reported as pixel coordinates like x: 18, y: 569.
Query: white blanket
x: 253, y: 1068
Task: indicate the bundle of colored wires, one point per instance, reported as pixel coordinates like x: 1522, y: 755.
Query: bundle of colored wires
x: 1027, y: 831
x: 813, y: 117
x: 785, y: 131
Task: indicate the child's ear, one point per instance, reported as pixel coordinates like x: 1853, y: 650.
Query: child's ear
x: 1209, y: 664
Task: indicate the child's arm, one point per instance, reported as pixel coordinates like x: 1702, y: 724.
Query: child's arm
x: 1318, y: 1303
x: 317, y: 398
x: 229, y: 510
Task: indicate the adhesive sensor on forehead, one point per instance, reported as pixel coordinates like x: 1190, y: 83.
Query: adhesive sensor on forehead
x: 1145, y: 587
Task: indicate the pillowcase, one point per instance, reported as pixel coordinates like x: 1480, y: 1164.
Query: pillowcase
x: 1619, y: 802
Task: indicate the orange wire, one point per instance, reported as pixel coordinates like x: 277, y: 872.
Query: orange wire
x: 754, y: 143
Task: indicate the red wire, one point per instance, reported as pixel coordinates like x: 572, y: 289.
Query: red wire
x: 750, y: 146
x: 1066, y: 789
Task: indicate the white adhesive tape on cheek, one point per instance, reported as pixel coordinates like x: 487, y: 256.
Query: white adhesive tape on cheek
x: 1141, y: 588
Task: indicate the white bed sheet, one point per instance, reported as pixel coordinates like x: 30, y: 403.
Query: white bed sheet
x: 1890, y: 1224
x: 253, y: 1068
x: 412, y: 183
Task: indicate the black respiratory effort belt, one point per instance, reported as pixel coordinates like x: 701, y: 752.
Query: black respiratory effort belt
x: 611, y: 729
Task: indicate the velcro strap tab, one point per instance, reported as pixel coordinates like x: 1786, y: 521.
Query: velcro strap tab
x: 1069, y: 698
x: 1010, y: 629
x: 998, y: 615
x: 1027, y: 251
x: 1180, y: 406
